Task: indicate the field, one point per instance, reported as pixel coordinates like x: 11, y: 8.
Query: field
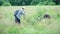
x: 34, y: 23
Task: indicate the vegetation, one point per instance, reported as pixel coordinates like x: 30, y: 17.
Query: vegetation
x: 29, y: 2
x: 34, y: 23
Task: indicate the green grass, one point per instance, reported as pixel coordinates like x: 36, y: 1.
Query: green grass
x: 34, y: 23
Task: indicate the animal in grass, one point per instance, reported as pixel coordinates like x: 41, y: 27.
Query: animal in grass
x: 18, y: 14
x: 46, y: 16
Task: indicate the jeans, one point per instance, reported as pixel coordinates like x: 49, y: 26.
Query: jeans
x: 17, y: 20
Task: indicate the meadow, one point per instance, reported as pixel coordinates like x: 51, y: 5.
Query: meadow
x: 34, y: 23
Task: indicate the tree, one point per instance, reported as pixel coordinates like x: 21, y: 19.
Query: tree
x: 6, y: 4
x: 27, y: 2
x: 35, y: 2
x: 16, y: 2
x: 1, y: 2
x: 57, y: 2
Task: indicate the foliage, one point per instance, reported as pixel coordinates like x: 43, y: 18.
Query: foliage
x: 6, y: 4
x: 30, y: 2
x: 30, y: 25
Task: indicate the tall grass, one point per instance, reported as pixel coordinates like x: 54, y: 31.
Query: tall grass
x: 34, y: 23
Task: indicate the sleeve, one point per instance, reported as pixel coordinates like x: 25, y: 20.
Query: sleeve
x: 23, y: 12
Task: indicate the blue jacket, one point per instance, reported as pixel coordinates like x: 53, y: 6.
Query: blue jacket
x: 19, y: 13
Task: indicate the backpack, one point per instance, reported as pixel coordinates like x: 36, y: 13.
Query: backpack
x: 16, y: 12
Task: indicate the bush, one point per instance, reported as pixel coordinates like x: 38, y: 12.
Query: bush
x: 6, y: 4
x: 16, y: 2
x: 1, y: 2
